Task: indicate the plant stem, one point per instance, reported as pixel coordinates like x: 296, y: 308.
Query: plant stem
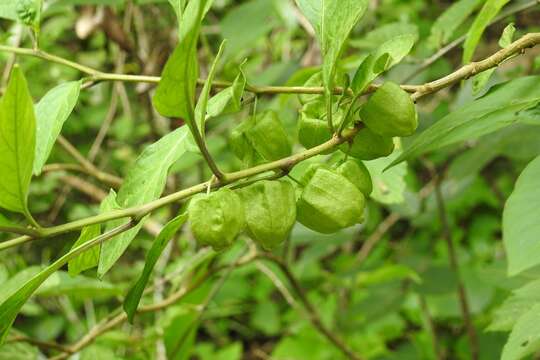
x: 452, y: 255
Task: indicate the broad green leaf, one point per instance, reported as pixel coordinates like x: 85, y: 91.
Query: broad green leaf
x: 450, y: 20
x: 8, y: 9
x: 384, y: 33
x: 382, y: 59
x: 505, y: 316
x: 227, y: 100
x: 490, y: 9
x: 19, y: 351
x: 388, y: 186
x: 144, y: 182
x: 525, y: 336
x: 503, y: 105
x: 11, y: 306
x: 507, y: 35
x: 521, y: 228
x: 202, y: 103
x: 90, y: 258
x: 17, y: 143
x: 51, y: 113
x: 333, y: 21
x: 80, y: 287
x: 247, y: 23
x: 175, y: 93
x: 133, y: 297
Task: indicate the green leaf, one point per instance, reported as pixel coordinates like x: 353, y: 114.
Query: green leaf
x: 333, y: 21
x: 202, y: 103
x: 228, y: 100
x: 450, y: 20
x: 247, y: 23
x: 80, y: 287
x: 8, y: 9
x: 17, y: 143
x: 490, y: 9
x: 384, y: 33
x: 11, y: 306
x: 388, y: 186
x: 90, y: 258
x: 507, y: 35
x: 506, y: 315
x: 521, y: 228
x: 525, y: 336
x: 503, y: 105
x: 175, y: 93
x: 144, y: 182
x: 133, y: 297
x: 382, y: 59
x: 51, y: 113
x: 480, y: 81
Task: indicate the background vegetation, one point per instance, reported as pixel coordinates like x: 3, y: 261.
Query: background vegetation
x: 426, y: 276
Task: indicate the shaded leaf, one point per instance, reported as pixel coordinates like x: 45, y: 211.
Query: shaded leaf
x: 133, y: 297
x: 507, y: 35
x: 450, y: 20
x: 17, y: 143
x: 51, y: 113
x: 521, y: 228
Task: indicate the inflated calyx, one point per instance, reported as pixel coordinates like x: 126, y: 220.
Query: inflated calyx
x: 390, y: 112
x: 270, y: 208
x: 260, y: 139
x: 367, y: 145
x: 357, y: 173
x: 329, y: 202
x: 216, y: 218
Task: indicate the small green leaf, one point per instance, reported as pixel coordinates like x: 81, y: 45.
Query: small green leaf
x: 387, y: 55
x: 228, y: 100
x: 503, y: 105
x: 490, y: 9
x: 133, y: 297
x: 175, y: 93
x: 480, y: 81
x: 144, y: 182
x: 521, y: 227
x: 17, y: 143
x: 525, y: 336
x: 384, y: 33
x: 202, y: 104
x: 450, y: 20
x: 51, y: 113
x: 507, y: 35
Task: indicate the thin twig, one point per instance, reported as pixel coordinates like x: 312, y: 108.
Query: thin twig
x: 452, y: 255
x: 310, y: 308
